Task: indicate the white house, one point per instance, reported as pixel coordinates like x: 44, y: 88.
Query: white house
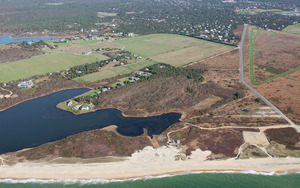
x: 76, y: 107
x: 26, y: 84
x: 86, y: 53
x: 85, y: 108
x: 104, y: 89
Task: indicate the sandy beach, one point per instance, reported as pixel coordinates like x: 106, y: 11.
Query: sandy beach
x: 146, y: 162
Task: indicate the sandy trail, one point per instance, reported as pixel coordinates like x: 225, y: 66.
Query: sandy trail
x: 262, y: 129
x: 10, y: 92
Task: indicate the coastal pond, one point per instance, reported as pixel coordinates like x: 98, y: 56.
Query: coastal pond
x: 8, y: 39
x: 38, y: 121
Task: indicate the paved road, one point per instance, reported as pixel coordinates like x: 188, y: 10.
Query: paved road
x: 297, y: 127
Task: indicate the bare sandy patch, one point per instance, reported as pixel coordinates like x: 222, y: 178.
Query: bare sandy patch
x: 255, y: 138
x: 207, y: 102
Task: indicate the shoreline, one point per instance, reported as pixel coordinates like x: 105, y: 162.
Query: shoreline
x: 148, y: 163
x: 183, y: 114
x: 42, y: 95
x: 149, y: 177
x: 35, y: 36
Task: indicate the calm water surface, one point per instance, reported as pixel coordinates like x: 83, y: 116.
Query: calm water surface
x: 7, y: 39
x: 38, y: 121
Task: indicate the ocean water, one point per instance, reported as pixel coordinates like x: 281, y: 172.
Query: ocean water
x: 203, y: 180
x: 7, y: 39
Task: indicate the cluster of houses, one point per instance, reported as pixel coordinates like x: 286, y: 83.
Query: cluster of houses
x: 120, y: 84
x: 26, y: 84
x: 133, y: 79
x: 92, y: 30
x: 66, y: 40
x: 146, y: 72
x: 80, y: 106
x: 216, y: 31
x: 104, y: 89
x: 35, y: 33
x: 91, y: 37
x: 107, y: 49
x: 136, y: 56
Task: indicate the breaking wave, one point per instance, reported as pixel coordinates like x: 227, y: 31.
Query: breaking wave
x: 103, y: 181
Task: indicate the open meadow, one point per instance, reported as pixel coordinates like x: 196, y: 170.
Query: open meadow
x: 175, y: 50
x: 79, y: 46
x: 189, y: 54
x: 293, y: 29
x: 39, y: 65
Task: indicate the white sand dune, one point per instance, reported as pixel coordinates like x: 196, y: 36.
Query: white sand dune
x: 148, y: 161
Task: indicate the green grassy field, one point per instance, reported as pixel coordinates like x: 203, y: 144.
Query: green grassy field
x: 144, y: 47
x: 76, y: 47
x: 175, y: 50
x: 114, y: 71
x: 293, y: 29
x: 72, y: 42
x: 41, y: 65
